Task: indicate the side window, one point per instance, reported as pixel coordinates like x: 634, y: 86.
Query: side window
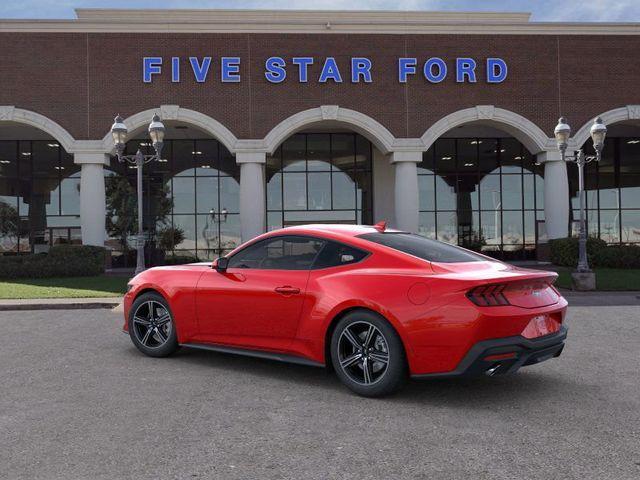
x: 279, y: 253
x: 334, y: 254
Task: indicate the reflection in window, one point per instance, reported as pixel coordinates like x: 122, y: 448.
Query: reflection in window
x: 39, y: 196
x: 319, y: 178
x: 612, y: 188
x: 483, y: 193
x: 200, y: 181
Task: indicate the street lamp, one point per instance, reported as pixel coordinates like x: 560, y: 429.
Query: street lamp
x: 562, y: 133
x: 119, y: 133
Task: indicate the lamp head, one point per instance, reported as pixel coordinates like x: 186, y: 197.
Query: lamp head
x: 119, y: 133
x: 562, y: 133
x: 156, y: 132
x: 598, y: 133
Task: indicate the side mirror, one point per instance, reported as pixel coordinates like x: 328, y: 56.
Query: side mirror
x: 221, y: 264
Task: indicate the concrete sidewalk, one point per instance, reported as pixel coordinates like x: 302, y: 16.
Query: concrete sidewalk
x: 601, y: 299
x: 59, y: 303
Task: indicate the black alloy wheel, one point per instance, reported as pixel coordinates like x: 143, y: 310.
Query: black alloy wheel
x: 151, y: 326
x: 367, y: 354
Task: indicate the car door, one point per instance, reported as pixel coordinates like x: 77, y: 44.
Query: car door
x: 256, y: 302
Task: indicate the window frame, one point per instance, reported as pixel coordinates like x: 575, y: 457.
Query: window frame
x: 277, y: 237
x: 367, y: 254
x: 478, y: 256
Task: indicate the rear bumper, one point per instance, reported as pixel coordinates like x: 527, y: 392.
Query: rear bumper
x: 523, y: 352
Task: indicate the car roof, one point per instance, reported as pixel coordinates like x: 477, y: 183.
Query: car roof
x: 333, y: 230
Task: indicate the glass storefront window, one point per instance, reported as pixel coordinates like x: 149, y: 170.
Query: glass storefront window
x: 319, y: 178
x: 194, y: 188
x: 39, y: 196
x: 612, y: 188
x: 482, y: 193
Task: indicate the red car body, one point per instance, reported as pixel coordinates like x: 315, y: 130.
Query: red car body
x: 453, y: 318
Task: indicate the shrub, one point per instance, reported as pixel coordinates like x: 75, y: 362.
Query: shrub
x: 618, y: 256
x: 61, y: 261
x: 564, y: 251
x: 169, y: 237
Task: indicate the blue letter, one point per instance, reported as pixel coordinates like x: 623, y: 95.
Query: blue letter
x: 406, y: 66
x: 465, y: 67
x: 428, y: 70
x: 175, y: 69
x: 230, y: 69
x: 496, y: 70
x: 360, y: 66
x: 200, y: 71
x: 330, y: 71
x: 150, y: 66
x: 303, y: 64
x: 275, y: 69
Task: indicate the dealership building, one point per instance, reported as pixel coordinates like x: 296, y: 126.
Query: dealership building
x: 439, y: 123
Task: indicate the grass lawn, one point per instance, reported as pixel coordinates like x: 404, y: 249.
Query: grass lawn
x: 72, y: 287
x: 607, y: 279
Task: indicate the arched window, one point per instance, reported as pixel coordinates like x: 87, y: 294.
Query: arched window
x: 39, y: 196
x: 320, y: 178
x: 194, y: 189
x: 482, y: 193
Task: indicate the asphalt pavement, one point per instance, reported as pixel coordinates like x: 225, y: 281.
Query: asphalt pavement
x: 77, y: 401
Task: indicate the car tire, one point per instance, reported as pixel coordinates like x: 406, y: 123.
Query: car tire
x: 153, y: 335
x: 363, y: 340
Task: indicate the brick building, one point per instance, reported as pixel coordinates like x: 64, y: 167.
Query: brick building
x: 439, y: 123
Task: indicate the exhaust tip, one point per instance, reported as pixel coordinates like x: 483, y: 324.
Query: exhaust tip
x: 490, y: 372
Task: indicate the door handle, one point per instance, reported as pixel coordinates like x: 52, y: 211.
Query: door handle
x: 287, y: 290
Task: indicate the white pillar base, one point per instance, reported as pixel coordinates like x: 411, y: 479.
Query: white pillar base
x: 252, y: 194
x: 92, y: 197
x: 556, y: 194
x: 406, y: 190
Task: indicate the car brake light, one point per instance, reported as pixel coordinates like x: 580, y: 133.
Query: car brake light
x: 488, y: 295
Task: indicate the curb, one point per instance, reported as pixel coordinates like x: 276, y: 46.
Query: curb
x: 91, y: 305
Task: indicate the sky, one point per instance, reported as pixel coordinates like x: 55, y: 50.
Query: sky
x: 542, y: 10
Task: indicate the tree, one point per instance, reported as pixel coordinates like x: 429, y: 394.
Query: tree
x: 9, y: 221
x: 122, y: 209
x: 169, y: 237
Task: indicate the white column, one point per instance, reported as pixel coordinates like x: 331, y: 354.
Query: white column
x: 556, y: 194
x: 406, y: 189
x: 92, y: 197
x: 252, y: 194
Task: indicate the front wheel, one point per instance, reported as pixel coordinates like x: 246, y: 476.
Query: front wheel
x: 151, y: 326
x: 368, y: 355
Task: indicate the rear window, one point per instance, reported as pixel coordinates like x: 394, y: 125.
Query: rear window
x: 421, y: 247
x: 334, y: 254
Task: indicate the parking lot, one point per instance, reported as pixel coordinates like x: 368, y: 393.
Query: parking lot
x: 78, y: 401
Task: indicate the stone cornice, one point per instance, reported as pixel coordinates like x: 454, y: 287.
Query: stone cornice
x: 297, y: 21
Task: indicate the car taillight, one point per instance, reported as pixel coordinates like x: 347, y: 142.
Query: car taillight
x: 488, y: 295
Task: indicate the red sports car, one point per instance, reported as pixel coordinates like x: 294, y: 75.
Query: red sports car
x: 375, y: 305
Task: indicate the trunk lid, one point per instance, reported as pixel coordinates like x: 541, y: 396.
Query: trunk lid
x: 492, y: 283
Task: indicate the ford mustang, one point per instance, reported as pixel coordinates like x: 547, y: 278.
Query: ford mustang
x: 376, y: 305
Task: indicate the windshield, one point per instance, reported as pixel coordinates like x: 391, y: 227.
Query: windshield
x: 424, y: 248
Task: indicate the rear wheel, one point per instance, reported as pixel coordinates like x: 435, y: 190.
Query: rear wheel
x: 368, y: 355
x: 151, y: 326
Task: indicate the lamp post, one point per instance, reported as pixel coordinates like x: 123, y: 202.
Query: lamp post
x: 210, y: 232
x: 119, y: 133
x: 562, y: 133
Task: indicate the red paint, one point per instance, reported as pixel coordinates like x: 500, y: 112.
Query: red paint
x: 241, y: 307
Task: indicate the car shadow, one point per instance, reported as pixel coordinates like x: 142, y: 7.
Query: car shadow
x: 527, y: 386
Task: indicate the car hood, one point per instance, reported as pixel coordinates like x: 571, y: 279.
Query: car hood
x: 186, y: 266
